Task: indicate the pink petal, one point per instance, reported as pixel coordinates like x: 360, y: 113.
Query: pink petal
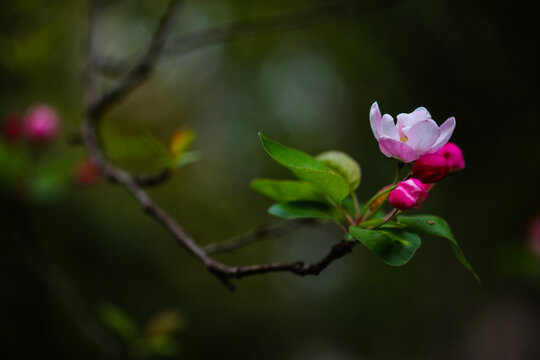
x: 375, y: 119
x: 388, y: 127
x: 422, y: 135
x: 397, y: 149
x: 408, y: 193
x: 447, y: 129
x: 401, y: 199
x: 454, y: 155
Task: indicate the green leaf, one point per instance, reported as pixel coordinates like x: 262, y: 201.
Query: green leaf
x: 184, y: 159
x: 344, y: 165
x: 118, y: 321
x: 394, y: 247
x: 181, y: 142
x: 162, y: 345
x: 165, y: 322
x: 301, y: 209
x: 307, y: 168
x: 178, y: 147
x: 287, y: 190
x: 48, y: 179
x: 434, y: 225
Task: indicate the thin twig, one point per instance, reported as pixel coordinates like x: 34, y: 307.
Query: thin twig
x: 245, y: 28
x: 337, y: 251
x: 143, y: 67
x: 153, y: 179
x: 256, y: 234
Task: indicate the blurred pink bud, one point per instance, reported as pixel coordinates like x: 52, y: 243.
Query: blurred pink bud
x: 41, y: 124
x: 87, y: 172
x: 430, y: 168
x: 454, y: 155
x: 409, y: 193
x: 12, y: 126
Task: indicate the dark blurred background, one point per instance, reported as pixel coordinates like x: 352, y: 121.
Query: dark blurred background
x: 309, y: 88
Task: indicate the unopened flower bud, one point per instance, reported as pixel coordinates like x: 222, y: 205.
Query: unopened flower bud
x: 409, y: 193
x: 87, y: 173
x: 12, y: 126
x: 430, y: 168
x: 41, y: 124
x: 454, y: 155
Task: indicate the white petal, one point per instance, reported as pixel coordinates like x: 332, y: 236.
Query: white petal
x: 388, y: 127
x: 447, y: 129
x: 422, y: 112
x: 407, y: 120
x: 422, y: 135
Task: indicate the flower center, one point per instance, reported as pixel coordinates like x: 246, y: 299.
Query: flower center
x: 404, y: 138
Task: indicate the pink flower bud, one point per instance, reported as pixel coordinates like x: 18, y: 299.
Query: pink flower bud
x: 12, y: 126
x: 41, y: 124
x: 430, y: 168
x: 454, y: 155
x: 87, y: 173
x: 409, y: 193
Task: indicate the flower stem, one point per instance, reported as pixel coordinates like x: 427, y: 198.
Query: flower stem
x: 388, y: 218
x: 356, y: 206
x: 345, y: 230
x: 382, y: 192
x: 398, y: 171
x: 347, y: 216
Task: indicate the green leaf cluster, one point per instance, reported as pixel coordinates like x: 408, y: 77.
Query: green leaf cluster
x: 325, y: 190
x: 147, y: 146
x: 41, y: 176
x: 156, y: 339
x: 324, y: 182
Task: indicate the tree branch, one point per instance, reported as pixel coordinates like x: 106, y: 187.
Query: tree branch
x: 133, y: 184
x: 153, y: 179
x: 337, y: 251
x: 256, y: 234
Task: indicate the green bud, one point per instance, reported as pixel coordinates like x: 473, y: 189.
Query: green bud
x: 343, y: 165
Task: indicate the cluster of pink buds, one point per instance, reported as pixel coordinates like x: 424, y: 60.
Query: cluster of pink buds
x: 39, y: 125
x: 417, y: 139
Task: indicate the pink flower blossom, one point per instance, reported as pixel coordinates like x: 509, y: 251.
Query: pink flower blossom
x: 41, y: 124
x: 430, y: 168
x: 409, y: 193
x: 413, y: 135
x: 453, y: 155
